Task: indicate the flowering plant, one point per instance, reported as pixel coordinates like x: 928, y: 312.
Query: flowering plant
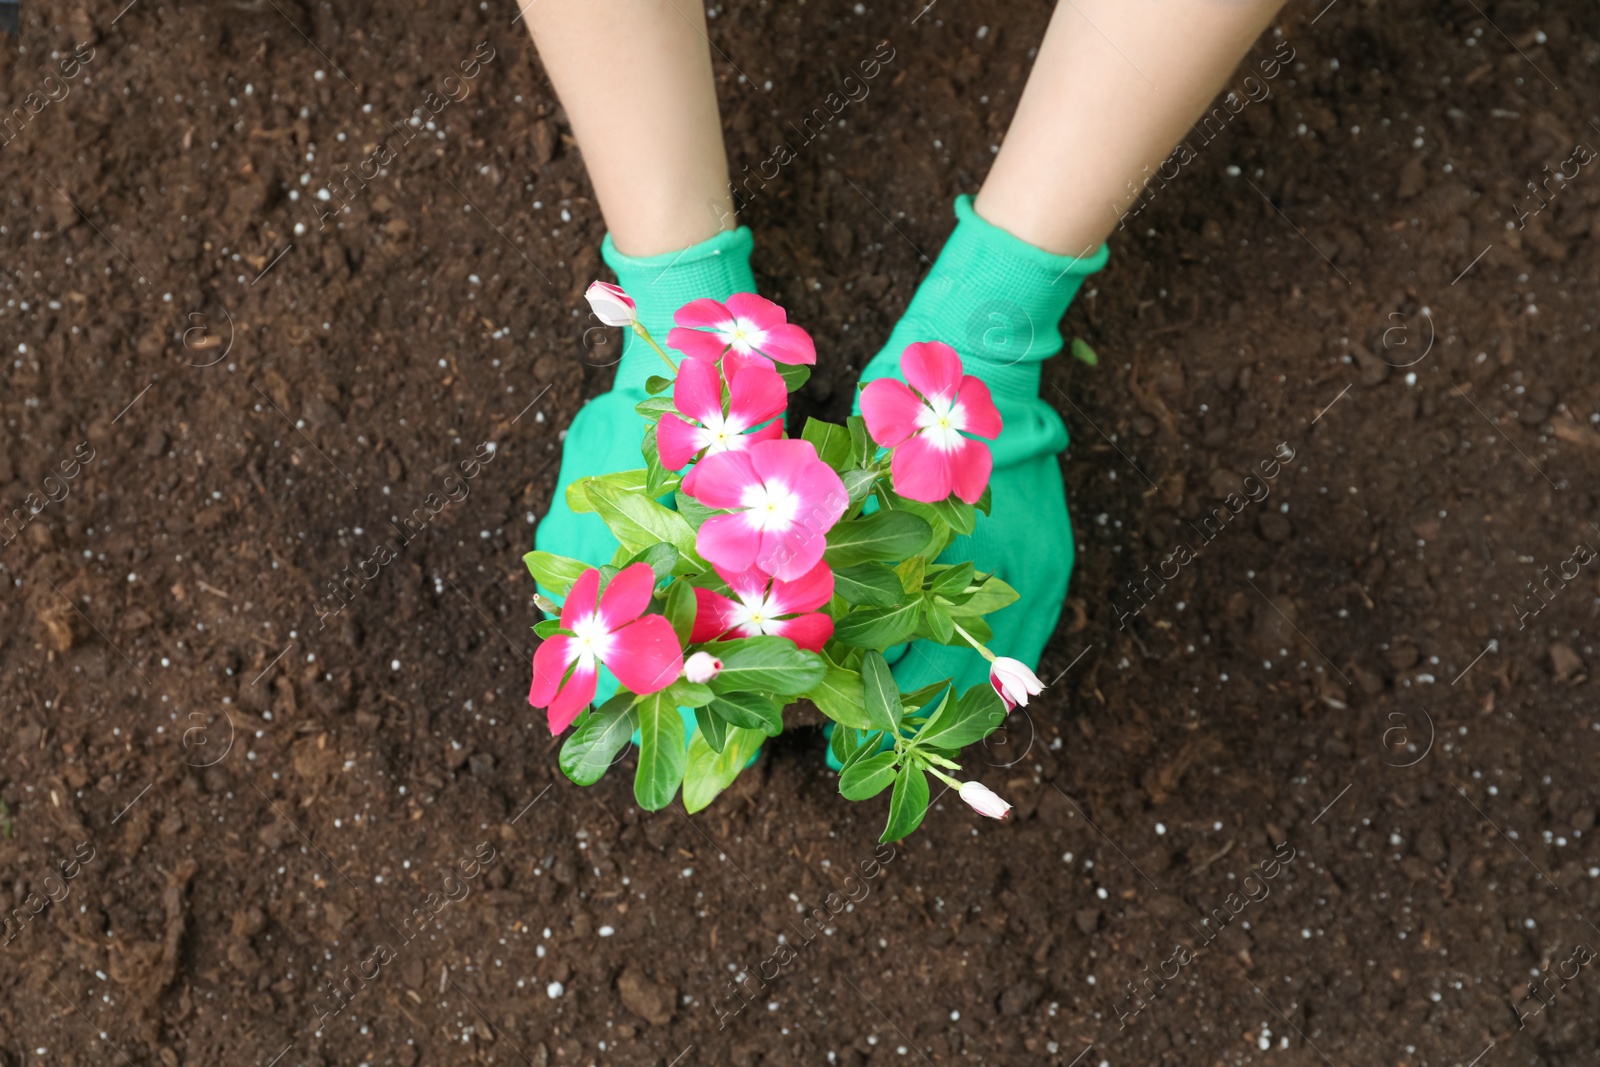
x: 778, y: 569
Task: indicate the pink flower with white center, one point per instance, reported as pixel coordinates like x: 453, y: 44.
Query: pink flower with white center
x: 1014, y: 681
x: 767, y: 606
x: 755, y: 395
x: 931, y: 457
x: 783, y: 498
x: 611, y: 305
x: 747, y: 324
x: 643, y: 653
x: 983, y: 800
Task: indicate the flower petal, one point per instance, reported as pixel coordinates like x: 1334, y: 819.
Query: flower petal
x: 810, y: 631
x: 891, y: 411
x: 932, y: 367
x: 550, y: 662
x: 970, y: 466
x: 697, y: 392
x: 788, y: 343
x: 580, y: 601
x: 751, y: 582
x: 979, y: 414
x: 806, y: 593
x: 789, y: 554
x: 645, y: 655
x: 627, y: 595
x: 772, y: 431
x: 734, y: 362
x: 677, y: 440
x: 728, y: 540
x: 696, y: 344
x: 921, y: 471
x: 703, y: 314
x: 713, y: 616
x: 755, y: 394
x: 756, y: 310
x: 573, y: 698
x: 720, y: 480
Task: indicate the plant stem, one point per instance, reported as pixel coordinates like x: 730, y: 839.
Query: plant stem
x: 953, y: 783
x: 973, y: 641
x: 639, y: 329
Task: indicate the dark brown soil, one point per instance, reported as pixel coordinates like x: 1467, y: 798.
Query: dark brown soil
x: 253, y: 801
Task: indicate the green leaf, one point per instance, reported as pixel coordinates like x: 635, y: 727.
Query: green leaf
x: 555, y: 573
x: 957, y: 513
x: 990, y: 597
x: 839, y: 697
x: 831, y: 441
x: 972, y: 718
x: 870, y: 584
x: 661, y: 752
x: 936, y: 624
x: 547, y: 627
x: 652, y: 408
x: 661, y: 556
x: 881, y: 693
x: 655, y: 384
x: 911, y: 571
x: 918, y: 698
x: 844, y: 744
x: 693, y: 512
x: 907, y: 804
x: 869, y: 743
x: 600, y: 734
x: 885, y: 535
x: 794, y: 374
x: 578, y: 495
x: 639, y: 522
x: 949, y: 581
x: 752, y: 711
x: 680, y: 609
x: 712, y: 726
x: 766, y: 665
x: 868, y: 777
x: 858, y: 484
x: 709, y: 773
x: 986, y: 499
x: 878, y: 628
x: 1083, y: 353
x: 687, y: 694
x: 863, y: 448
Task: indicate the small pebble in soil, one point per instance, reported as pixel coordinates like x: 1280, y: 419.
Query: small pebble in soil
x: 607, y: 931
x: 554, y: 989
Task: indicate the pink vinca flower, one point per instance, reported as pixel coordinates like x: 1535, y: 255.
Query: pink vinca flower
x: 932, y: 458
x: 747, y: 324
x: 643, y: 653
x: 1014, y: 681
x: 784, y: 501
x: 755, y: 395
x: 766, y: 606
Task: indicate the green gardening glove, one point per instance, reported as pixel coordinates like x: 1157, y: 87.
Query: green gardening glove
x: 998, y: 301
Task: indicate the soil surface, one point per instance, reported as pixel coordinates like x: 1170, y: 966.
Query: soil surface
x: 1324, y: 792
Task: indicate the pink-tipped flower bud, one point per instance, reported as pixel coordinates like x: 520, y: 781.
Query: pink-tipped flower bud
x: 701, y: 667
x: 611, y: 305
x: 1014, y: 681
x: 981, y: 799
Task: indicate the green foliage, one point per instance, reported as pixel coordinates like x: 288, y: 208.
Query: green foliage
x: 662, y: 755
x: 599, y: 734
x: 887, y: 589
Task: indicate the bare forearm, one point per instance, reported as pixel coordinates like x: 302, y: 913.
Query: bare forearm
x: 1115, y: 85
x: 635, y: 79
